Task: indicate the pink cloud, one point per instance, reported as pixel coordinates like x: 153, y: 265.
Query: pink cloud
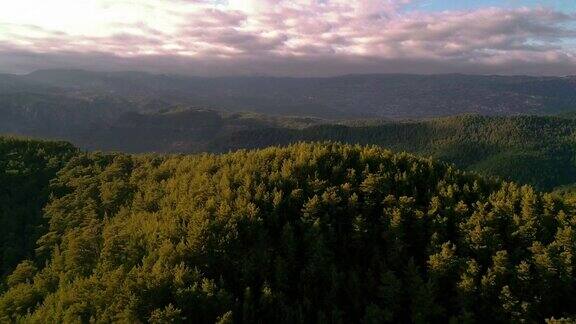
x: 362, y: 32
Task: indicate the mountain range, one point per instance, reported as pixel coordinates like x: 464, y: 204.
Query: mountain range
x: 352, y: 96
x: 140, y: 112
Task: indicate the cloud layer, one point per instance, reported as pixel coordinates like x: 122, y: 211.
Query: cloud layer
x: 282, y: 37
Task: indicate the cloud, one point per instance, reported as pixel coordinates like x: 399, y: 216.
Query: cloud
x: 297, y: 37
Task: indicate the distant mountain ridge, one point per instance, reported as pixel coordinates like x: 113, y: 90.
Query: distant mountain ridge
x: 349, y: 96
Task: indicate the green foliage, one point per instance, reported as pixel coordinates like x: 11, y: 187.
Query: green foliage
x: 26, y: 168
x: 540, y: 151
x: 568, y: 193
x: 307, y: 233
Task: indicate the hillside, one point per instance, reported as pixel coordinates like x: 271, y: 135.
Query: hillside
x: 307, y: 233
x: 534, y: 150
x: 57, y: 115
x: 26, y: 168
x: 386, y: 95
x: 179, y: 130
x: 540, y: 151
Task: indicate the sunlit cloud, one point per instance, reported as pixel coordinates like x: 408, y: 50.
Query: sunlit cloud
x: 253, y: 36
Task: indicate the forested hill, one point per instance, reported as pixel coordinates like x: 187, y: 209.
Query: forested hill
x: 306, y: 233
x: 535, y: 150
x: 540, y: 151
x: 178, y: 130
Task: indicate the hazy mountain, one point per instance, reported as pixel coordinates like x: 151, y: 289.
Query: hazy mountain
x: 184, y: 130
x: 58, y: 115
x: 14, y: 83
x: 390, y: 96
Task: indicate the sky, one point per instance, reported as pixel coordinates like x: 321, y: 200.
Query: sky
x: 290, y: 37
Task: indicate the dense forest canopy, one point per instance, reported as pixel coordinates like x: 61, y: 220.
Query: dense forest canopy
x: 540, y: 151
x: 306, y: 233
x: 26, y: 168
